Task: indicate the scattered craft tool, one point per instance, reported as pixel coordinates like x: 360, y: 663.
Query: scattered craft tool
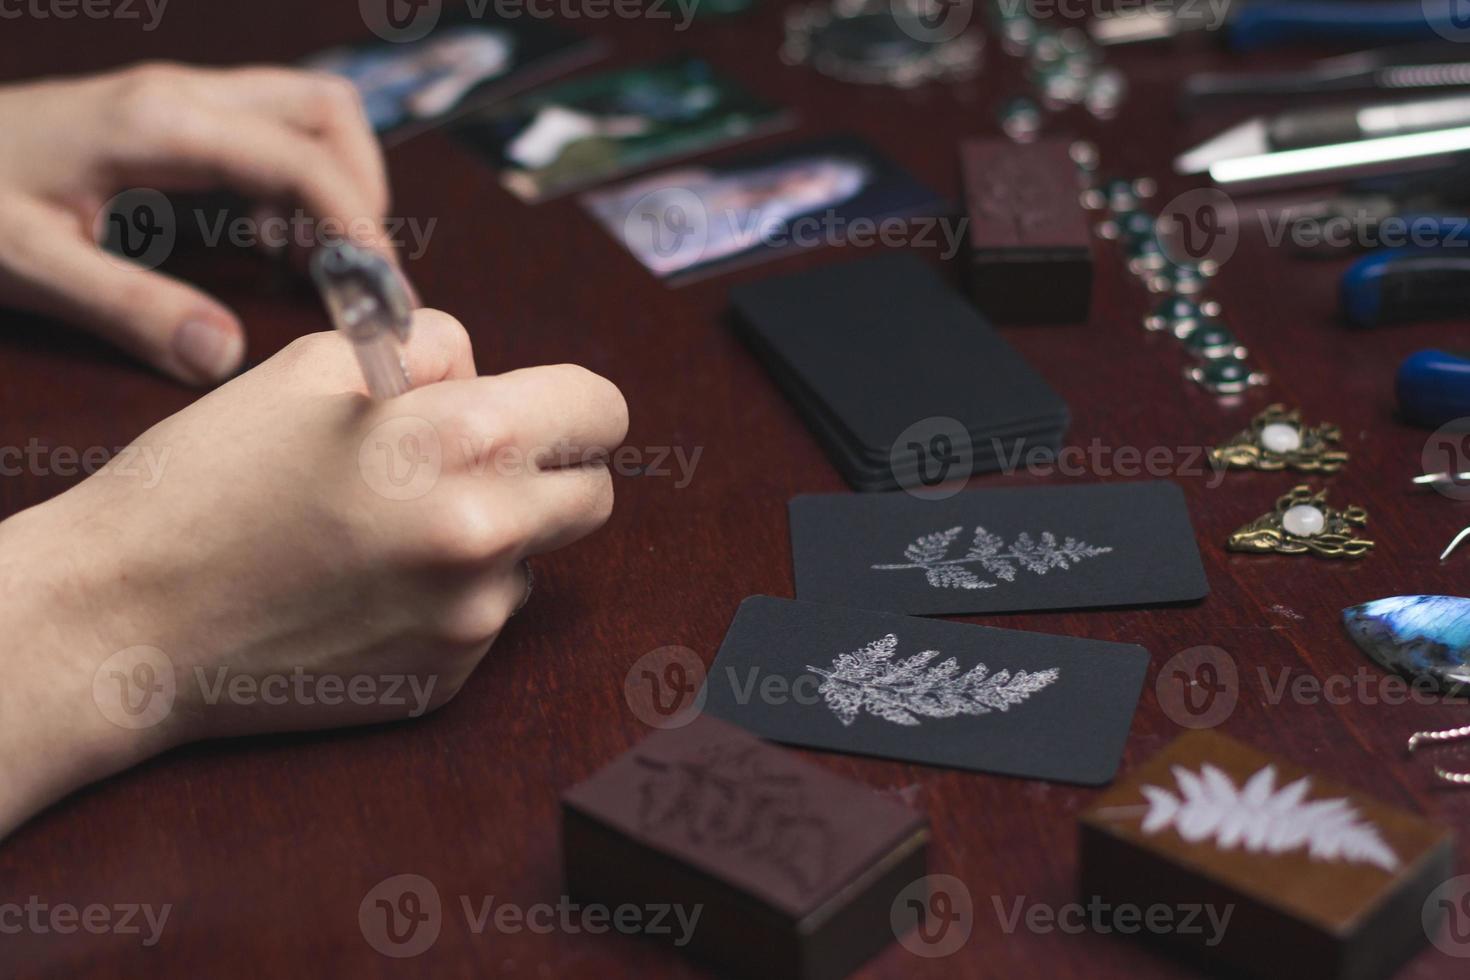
x: 1301, y: 523
x: 1409, y: 284
x: 1433, y: 389
x: 1253, y: 25
x: 1277, y: 440
x: 1341, y: 161
x: 1426, y: 67
x: 1297, y: 128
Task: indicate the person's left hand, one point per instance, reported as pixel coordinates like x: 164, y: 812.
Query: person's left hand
x: 284, y: 137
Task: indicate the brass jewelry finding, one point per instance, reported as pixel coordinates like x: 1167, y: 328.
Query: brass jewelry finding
x: 1302, y: 523
x: 1277, y: 440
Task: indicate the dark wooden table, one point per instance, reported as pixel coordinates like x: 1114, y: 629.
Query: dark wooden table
x: 266, y: 847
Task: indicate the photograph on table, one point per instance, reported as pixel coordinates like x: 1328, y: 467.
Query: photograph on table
x: 693, y: 221
x: 577, y: 133
x: 411, y: 86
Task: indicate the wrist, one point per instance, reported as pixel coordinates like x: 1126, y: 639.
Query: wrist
x: 65, y: 719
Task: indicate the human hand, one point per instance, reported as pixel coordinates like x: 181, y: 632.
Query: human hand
x: 291, y: 527
x: 284, y: 137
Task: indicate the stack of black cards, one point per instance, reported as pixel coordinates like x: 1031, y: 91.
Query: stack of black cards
x: 903, y: 383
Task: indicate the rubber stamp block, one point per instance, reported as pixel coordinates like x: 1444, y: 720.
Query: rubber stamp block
x: 1311, y: 879
x: 793, y: 871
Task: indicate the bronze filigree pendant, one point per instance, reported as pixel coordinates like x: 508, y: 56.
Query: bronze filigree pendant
x: 1302, y: 523
x: 1277, y: 440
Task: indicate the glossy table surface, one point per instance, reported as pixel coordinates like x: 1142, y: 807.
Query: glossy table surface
x: 265, y: 848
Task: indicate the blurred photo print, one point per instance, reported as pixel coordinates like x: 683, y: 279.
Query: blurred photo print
x: 456, y: 67
x: 586, y: 130
x: 684, y: 223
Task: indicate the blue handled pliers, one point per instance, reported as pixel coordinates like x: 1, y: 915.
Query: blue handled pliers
x: 1411, y: 283
x: 1254, y: 24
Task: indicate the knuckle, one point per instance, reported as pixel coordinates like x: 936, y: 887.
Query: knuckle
x: 148, y: 96
x: 337, y: 98
x: 472, y: 621
x: 602, y: 395
x: 600, y: 496
x: 464, y: 531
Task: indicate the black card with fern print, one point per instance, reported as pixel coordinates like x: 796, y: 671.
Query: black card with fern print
x: 1004, y: 550
x: 926, y: 690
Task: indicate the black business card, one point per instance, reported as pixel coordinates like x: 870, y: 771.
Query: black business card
x: 1000, y: 550
x: 928, y: 691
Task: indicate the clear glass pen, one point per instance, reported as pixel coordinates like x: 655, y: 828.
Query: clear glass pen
x: 368, y: 301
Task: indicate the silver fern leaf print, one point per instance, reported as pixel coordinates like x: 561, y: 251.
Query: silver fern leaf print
x: 989, y: 551
x: 903, y: 691
x: 1261, y: 818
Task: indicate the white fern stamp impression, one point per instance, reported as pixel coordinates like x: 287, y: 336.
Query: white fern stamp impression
x: 904, y: 691
x: 932, y: 553
x: 1263, y: 819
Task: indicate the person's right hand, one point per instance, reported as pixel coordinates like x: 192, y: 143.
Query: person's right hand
x: 286, y: 525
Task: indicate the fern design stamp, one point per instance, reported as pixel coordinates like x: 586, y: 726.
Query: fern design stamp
x: 903, y: 691
x: 1263, y: 819
x: 932, y: 553
x: 726, y: 797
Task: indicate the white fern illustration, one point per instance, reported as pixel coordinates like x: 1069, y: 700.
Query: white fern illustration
x: 904, y: 691
x: 1260, y: 818
x: 931, y: 553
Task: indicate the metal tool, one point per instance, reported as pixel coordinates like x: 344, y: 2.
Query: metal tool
x: 1408, y: 68
x: 1408, y: 284
x: 369, y: 302
x: 1433, y: 389
x: 1339, y: 161
x: 1322, y: 126
x: 1252, y: 25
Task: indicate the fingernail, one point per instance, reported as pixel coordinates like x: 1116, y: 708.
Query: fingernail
x: 209, y: 349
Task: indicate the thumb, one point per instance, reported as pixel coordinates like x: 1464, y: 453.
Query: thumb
x: 178, y: 329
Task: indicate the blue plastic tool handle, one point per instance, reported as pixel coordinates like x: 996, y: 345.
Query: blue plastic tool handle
x: 1402, y: 285
x: 1262, y: 23
x: 1433, y: 388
